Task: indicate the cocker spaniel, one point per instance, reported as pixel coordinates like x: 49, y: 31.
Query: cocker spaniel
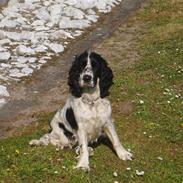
x: 87, y: 112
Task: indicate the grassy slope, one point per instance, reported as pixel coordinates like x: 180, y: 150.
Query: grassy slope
x: 151, y: 125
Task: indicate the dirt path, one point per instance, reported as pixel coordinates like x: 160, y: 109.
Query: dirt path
x: 47, y: 89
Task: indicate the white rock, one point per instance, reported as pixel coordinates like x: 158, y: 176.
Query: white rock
x: 56, y: 12
x: 41, y: 48
x: 56, y: 47
x: 41, y: 28
x: 5, y: 41
x: 67, y: 23
x: 2, y: 34
x: 42, y: 61
x: 91, y: 12
x: 115, y: 174
x: 141, y: 101
x: 12, y: 3
x: 77, y: 33
x: 32, y: 1
x: 32, y: 59
x: 22, y: 59
x: 160, y: 158
x: 1, y: 16
x: 38, y: 23
x: 42, y: 14
x: 73, y: 12
x: 3, y: 91
x: 8, y: 23
x: 27, y: 71
x: 86, y: 4
x: 46, y: 3
x: 2, y: 49
x: 2, y: 102
x: 3, y: 65
x: 5, y: 56
x: 20, y: 65
x: 60, y: 34
x: 71, y: 2
x: 128, y: 168
x: 24, y: 35
x: 92, y: 18
x: 16, y: 73
x: 139, y: 173
x: 23, y: 50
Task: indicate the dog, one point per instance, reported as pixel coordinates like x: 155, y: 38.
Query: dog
x: 87, y: 112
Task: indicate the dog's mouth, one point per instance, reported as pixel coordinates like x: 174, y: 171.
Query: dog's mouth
x: 88, y: 84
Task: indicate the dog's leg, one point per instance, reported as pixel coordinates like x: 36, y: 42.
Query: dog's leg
x: 120, y: 150
x: 56, y: 137
x: 84, y: 154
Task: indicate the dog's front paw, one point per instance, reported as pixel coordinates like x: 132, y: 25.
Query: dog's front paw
x: 83, y: 166
x: 124, y: 155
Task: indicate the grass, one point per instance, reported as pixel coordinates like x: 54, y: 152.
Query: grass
x: 147, y: 101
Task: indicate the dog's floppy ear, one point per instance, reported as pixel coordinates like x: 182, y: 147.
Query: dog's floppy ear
x: 105, y: 78
x: 73, y: 79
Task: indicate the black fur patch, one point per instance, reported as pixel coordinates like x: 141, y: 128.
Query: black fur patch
x: 67, y: 133
x: 71, y: 118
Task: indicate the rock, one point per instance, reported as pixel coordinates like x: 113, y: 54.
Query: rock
x: 56, y: 11
x: 3, y: 91
x: 16, y: 73
x: 67, y: 23
x: 86, y: 4
x: 2, y: 102
x: 56, y: 47
x: 38, y: 23
x: 42, y: 14
x: 2, y: 34
x: 27, y: 71
x: 8, y: 23
x: 5, y: 56
x: 41, y: 48
x: 73, y: 12
x: 23, y: 50
x: 32, y: 59
x: 5, y: 41
x: 139, y: 173
x: 60, y: 34
x: 2, y: 49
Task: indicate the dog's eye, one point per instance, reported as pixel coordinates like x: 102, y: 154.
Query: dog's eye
x: 83, y: 64
x: 94, y: 64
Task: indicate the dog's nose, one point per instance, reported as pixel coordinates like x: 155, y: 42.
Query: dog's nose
x: 87, y: 78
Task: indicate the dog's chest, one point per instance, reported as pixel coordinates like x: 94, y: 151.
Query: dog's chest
x: 92, y: 117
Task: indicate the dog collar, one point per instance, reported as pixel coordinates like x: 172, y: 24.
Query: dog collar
x: 89, y: 101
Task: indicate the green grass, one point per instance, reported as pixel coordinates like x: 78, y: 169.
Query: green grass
x: 152, y: 128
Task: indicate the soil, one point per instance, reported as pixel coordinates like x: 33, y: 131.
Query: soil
x: 47, y: 89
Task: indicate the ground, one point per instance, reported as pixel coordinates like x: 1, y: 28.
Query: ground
x: 146, y: 56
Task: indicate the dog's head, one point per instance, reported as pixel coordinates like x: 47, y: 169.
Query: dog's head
x: 86, y: 70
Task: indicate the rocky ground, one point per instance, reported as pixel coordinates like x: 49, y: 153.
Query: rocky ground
x: 32, y: 32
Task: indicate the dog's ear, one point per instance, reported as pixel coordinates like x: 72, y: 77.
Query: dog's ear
x: 105, y: 78
x: 73, y: 79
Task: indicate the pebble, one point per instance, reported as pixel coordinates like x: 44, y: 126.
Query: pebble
x: 139, y: 173
x: 5, y: 56
x: 115, y: 174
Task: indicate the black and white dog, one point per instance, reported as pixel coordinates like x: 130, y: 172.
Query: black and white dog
x: 87, y: 112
